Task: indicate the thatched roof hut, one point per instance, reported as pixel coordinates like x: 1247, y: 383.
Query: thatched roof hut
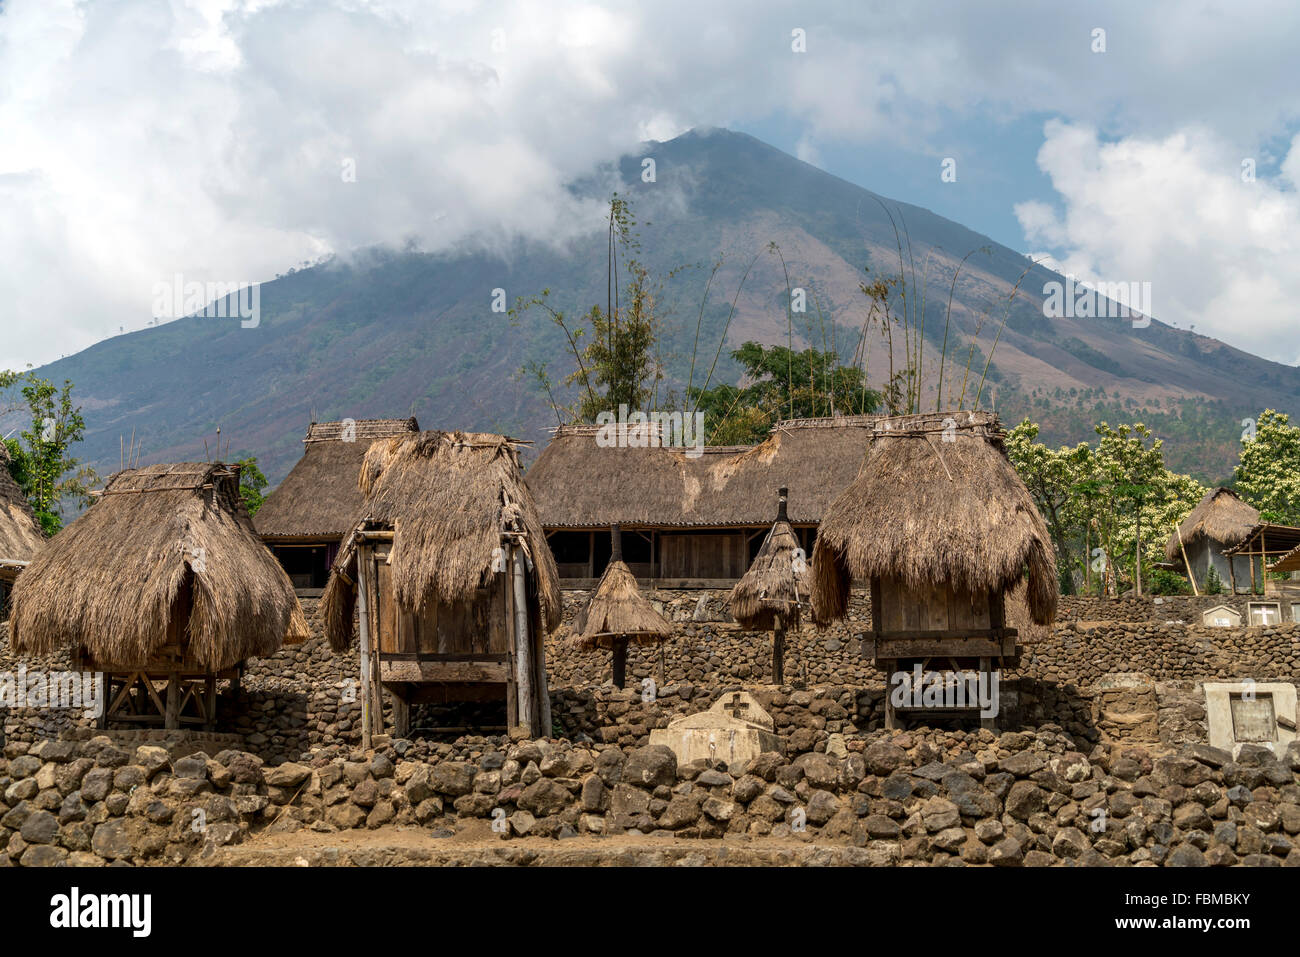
x: 448, y: 498
x: 580, y: 483
x: 20, y: 534
x: 937, y: 504
x: 319, y: 499
x: 167, y: 556
x: 1220, y: 517
x: 688, y: 515
x: 777, y: 582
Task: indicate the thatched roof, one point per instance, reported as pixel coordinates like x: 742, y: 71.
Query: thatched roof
x: 1220, y: 516
x: 580, y: 484
x: 617, y: 609
x: 20, y: 533
x: 108, y: 582
x: 777, y: 582
x: 937, y: 502
x: 449, y: 498
x: 319, y: 499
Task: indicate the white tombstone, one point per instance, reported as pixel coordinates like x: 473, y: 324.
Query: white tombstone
x: 735, y: 730
x: 1251, y: 712
x: 1221, y: 616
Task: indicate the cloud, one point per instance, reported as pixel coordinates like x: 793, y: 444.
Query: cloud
x: 227, y: 140
x: 1218, y: 250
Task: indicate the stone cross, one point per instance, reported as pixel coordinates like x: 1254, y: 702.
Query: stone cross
x: 736, y: 708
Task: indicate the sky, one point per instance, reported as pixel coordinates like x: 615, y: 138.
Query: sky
x: 229, y: 140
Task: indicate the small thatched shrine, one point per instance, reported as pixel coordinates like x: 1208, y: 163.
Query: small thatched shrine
x: 1220, y: 521
x: 20, y: 533
x: 447, y: 572
x: 305, y: 519
x: 771, y: 595
x: 618, y: 614
x: 163, y: 587
x: 941, y: 528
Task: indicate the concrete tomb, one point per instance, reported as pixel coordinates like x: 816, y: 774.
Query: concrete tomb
x: 735, y: 730
x: 1251, y: 712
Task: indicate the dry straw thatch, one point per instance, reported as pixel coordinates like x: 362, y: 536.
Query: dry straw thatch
x: 937, y: 502
x: 319, y: 498
x: 449, y: 498
x: 20, y: 534
x: 1220, y: 516
x: 617, y: 611
x: 777, y: 582
x: 580, y: 483
x: 110, y: 582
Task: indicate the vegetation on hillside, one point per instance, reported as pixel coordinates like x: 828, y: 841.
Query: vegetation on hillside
x: 40, y: 458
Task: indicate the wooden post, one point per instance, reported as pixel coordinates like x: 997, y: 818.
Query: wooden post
x: 401, y: 712
x: 172, y: 718
x: 778, y: 652
x: 523, y: 646
x: 986, y: 668
x: 363, y: 615
x: 105, y: 699
x: 210, y: 702
x: 1191, y: 577
x: 508, y: 596
x: 543, y: 683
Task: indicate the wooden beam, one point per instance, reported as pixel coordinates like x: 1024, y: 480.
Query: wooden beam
x: 394, y: 672
x: 524, y: 670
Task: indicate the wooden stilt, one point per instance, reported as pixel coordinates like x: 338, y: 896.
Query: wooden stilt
x: 210, y: 702
x: 172, y: 717
x: 401, y: 712
x: 991, y: 722
x: 363, y: 616
x: 524, y: 673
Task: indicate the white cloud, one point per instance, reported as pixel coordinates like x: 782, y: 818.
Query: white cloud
x: 1219, y: 251
x: 141, y: 139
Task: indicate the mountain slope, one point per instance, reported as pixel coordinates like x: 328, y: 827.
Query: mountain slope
x: 395, y: 333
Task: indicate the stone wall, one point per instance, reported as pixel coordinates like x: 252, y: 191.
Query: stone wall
x: 924, y: 797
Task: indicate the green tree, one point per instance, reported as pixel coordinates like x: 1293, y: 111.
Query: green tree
x: 41, y: 461
x: 1052, y: 477
x: 251, y: 483
x: 782, y: 383
x: 614, y: 349
x: 1268, y: 473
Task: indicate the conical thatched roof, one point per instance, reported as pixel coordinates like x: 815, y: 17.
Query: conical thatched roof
x: 937, y: 502
x: 108, y: 583
x: 20, y: 533
x: 1221, y: 516
x: 319, y: 498
x: 617, y: 609
x: 448, y: 497
x: 777, y: 582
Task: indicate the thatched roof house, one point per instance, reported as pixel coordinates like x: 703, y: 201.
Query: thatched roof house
x: 448, y: 498
x: 1221, y: 519
x: 20, y: 533
x: 448, y: 572
x: 306, y: 517
x: 164, y: 571
x: 939, y: 507
x: 688, y: 517
x: 777, y: 582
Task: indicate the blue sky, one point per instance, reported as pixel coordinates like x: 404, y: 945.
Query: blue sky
x: 213, y: 138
